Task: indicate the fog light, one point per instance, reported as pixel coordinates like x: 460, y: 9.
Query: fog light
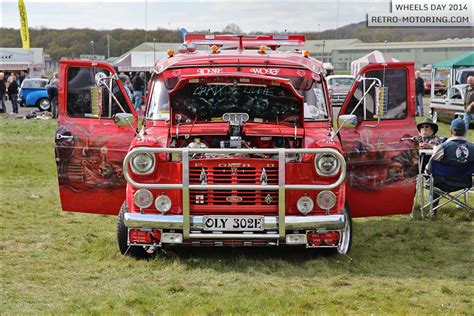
x: 163, y: 203
x: 326, y: 200
x: 143, y: 198
x: 305, y: 205
x: 296, y: 239
x: 171, y: 238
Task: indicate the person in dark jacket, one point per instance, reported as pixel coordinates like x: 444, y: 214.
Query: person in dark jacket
x: 13, y: 94
x: 457, y: 150
x: 3, y: 91
x: 419, y: 89
x: 138, y: 89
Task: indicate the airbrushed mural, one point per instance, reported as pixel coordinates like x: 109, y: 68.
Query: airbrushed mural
x: 84, y: 162
x: 373, y: 163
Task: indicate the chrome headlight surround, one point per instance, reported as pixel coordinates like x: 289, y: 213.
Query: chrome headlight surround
x: 327, y: 164
x: 163, y: 203
x: 143, y: 163
x: 326, y: 200
x: 143, y: 198
x: 305, y: 205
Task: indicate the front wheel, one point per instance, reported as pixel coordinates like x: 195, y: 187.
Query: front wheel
x: 43, y: 104
x: 137, y: 252
x: 345, y: 242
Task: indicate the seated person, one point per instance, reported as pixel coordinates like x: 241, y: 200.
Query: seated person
x: 428, y: 138
x: 455, y: 151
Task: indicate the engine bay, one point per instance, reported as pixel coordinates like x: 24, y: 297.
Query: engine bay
x: 236, y: 137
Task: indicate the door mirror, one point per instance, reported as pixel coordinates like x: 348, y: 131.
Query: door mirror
x: 348, y: 120
x: 124, y: 119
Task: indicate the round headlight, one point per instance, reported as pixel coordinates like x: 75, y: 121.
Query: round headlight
x: 143, y: 163
x: 327, y: 164
x: 326, y: 200
x: 305, y: 205
x: 163, y: 203
x: 143, y: 198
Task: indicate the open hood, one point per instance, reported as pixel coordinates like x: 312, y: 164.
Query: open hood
x: 206, y: 98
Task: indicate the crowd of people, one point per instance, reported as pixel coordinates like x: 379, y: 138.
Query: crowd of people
x: 9, y: 86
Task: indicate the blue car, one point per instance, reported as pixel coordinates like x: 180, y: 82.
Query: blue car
x: 33, y: 93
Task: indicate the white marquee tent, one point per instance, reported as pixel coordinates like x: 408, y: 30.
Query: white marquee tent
x: 372, y: 58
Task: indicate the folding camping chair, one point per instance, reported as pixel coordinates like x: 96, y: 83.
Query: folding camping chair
x: 450, y: 182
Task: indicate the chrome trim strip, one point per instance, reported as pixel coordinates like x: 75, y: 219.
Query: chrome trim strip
x: 234, y: 236
x: 281, y: 193
x: 186, y: 212
x: 328, y: 222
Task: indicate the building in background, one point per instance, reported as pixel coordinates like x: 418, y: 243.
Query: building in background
x: 16, y: 59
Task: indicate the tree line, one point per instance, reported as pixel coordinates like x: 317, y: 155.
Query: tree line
x: 74, y: 42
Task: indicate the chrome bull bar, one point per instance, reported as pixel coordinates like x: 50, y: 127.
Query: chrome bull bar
x: 186, y: 187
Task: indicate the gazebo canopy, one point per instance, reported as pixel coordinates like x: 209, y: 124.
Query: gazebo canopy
x: 372, y: 58
x: 466, y: 60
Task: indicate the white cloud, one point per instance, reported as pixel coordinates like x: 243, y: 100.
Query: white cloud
x: 262, y: 15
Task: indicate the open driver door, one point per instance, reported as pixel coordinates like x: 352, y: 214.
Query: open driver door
x: 96, y: 124
x: 381, y: 167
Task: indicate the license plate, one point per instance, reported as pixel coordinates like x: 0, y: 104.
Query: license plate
x: 233, y: 223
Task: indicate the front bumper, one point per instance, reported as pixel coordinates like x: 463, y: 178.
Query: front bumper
x: 271, y: 225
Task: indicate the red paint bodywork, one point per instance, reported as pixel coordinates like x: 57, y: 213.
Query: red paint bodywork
x: 392, y: 198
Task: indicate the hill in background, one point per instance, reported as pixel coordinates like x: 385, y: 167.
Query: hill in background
x: 74, y: 42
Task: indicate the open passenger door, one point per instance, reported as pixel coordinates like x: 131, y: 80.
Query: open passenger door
x: 381, y: 168
x: 96, y: 124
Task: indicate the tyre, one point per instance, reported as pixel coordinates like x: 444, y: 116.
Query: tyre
x: 138, y: 252
x: 345, y: 242
x: 43, y: 104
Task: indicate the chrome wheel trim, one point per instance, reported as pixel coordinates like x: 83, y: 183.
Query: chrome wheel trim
x: 44, y: 104
x: 343, y: 247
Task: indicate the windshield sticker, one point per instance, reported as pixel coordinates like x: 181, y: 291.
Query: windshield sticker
x: 265, y: 71
x: 205, y: 71
x: 218, y: 90
x: 301, y: 73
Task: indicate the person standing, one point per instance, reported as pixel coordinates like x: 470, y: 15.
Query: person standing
x: 469, y: 102
x: 419, y: 90
x: 13, y: 93
x: 138, y: 88
x: 3, y: 91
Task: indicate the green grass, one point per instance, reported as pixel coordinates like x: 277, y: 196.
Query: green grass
x: 66, y: 263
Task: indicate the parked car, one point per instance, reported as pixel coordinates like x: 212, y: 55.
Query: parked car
x: 33, y: 93
x: 462, y: 74
x: 439, y: 88
x: 338, y: 87
x: 237, y: 148
x: 450, y: 107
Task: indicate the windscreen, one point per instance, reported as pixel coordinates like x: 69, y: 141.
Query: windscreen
x: 315, y: 104
x: 263, y: 103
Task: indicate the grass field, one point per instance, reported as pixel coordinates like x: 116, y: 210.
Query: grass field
x: 65, y: 263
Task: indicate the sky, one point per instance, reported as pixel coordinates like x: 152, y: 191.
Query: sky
x: 263, y: 15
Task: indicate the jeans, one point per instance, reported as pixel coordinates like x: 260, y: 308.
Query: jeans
x: 419, y: 104
x: 3, y: 108
x: 467, y: 119
x: 14, y: 100
x: 138, y: 100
